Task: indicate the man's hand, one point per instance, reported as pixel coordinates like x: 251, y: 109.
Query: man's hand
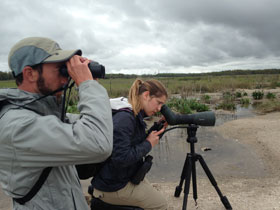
x: 78, y: 69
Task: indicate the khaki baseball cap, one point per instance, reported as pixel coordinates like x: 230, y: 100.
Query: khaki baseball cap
x: 35, y: 50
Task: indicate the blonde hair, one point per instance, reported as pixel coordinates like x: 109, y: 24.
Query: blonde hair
x: 155, y: 88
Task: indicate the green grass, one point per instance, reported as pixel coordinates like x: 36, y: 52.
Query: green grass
x: 7, y: 84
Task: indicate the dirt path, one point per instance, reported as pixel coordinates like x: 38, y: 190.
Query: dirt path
x: 262, y: 133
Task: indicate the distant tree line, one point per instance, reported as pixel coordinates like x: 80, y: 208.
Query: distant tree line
x: 245, y: 72
x: 9, y: 76
x: 223, y: 73
x: 6, y: 75
x: 220, y: 73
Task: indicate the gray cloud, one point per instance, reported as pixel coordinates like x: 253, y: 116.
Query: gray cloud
x: 143, y: 36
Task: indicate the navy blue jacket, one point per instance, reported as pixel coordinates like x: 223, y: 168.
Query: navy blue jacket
x: 129, y: 148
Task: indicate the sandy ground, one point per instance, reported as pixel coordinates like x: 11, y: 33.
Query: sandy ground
x: 262, y: 133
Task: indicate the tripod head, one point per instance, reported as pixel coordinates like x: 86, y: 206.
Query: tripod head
x: 191, y: 130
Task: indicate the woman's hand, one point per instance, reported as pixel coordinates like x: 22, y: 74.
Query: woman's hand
x: 153, y: 137
x: 165, y: 122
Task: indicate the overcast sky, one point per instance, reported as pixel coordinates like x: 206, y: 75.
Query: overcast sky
x: 151, y: 36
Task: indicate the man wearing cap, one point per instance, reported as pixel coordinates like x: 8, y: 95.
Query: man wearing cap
x: 33, y: 139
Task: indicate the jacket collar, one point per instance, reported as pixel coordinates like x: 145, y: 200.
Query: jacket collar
x: 18, y: 98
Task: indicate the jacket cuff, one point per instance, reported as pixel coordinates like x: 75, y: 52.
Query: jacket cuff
x: 148, y: 145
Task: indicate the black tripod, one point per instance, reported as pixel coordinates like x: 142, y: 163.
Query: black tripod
x: 190, y: 170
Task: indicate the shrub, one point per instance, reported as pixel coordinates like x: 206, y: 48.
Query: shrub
x: 270, y: 95
x: 226, y: 106
x: 238, y: 94
x: 228, y: 102
x: 257, y: 95
x: 206, y: 99
x: 186, y: 106
x: 244, y: 101
x: 201, y: 107
x: 245, y: 94
x: 228, y: 96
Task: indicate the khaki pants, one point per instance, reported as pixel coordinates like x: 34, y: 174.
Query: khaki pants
x: 143, y: 195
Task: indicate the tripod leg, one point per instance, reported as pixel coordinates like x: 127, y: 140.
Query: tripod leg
x: 187, y: 181
x: 214, y: 183
x: 194, y: 179
x: 183, y: 176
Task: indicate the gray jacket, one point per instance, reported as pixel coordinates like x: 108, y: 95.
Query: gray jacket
x: 32, y: 140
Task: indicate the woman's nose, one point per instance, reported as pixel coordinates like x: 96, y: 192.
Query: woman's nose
x: 159, y: 108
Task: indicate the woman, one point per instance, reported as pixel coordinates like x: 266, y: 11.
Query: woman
x: 131, y: 144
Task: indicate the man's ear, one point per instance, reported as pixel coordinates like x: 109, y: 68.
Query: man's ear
x: 30, y: 74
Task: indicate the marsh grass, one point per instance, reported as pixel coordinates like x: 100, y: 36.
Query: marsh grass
x: 268, y: 106
x: 117, y: 87
x: 188, y: 86
x: 228, y: 101
x: 245, y: 101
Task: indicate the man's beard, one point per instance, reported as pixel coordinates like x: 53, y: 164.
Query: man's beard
x: 42, y: 87
x: 46, y: 91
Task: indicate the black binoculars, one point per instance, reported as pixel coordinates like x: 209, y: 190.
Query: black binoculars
x: 97, y: 70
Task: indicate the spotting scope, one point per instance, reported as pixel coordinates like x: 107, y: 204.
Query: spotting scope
x: 201, y: 118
